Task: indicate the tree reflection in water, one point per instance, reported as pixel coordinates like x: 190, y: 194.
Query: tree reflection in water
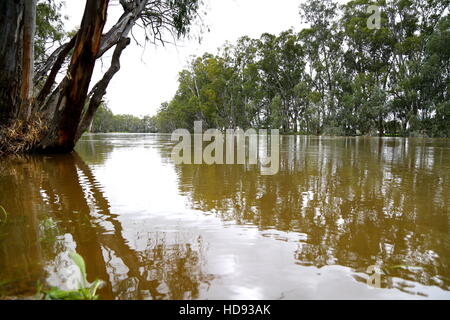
x: 351, y: 202
x: 67, y: 210
x: 360, y: 202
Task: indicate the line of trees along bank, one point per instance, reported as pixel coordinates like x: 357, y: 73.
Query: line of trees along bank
x: 105, y: 121
x: 335, y: 77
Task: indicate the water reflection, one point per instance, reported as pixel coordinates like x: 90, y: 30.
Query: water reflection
x: 55, y: 206
x: 359, y: 202
x: 153, y: 230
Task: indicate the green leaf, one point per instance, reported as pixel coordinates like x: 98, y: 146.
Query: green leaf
x: 58, y: 294
x: 94, y: 287
x: 79, y: 261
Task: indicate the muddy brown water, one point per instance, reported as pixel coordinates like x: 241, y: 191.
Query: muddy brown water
x: 154, y: 230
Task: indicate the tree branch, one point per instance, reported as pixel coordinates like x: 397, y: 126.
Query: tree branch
x: 121, y: 29
x: 99, y: 90
x: 46, y: 89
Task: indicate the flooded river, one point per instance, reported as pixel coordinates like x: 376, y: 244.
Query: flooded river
x: 154, y: 230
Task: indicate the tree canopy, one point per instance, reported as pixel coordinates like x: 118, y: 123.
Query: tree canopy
x: 105, y: 122
x: 337, y: 77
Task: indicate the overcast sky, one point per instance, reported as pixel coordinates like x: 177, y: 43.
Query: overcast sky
x: 149, y: 77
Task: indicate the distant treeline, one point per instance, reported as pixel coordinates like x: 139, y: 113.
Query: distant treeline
x: 336, y: 77
x: 105, y: 121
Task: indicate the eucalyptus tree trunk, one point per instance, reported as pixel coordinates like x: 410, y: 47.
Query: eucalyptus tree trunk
x: 67, y: 103
x: 17, y: 25
x: 51, y: 116
x: 62, y: 111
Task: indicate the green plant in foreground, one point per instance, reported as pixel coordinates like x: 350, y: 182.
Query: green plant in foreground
x: 86, y: 291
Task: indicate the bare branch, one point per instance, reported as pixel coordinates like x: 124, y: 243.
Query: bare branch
x: 45, y: 91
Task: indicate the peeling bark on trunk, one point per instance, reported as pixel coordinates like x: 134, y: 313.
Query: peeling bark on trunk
x: 29, y: 28
x: 120, y: 30
x: 99, y: 89
x: 67, y: 123
x: 74, y: 88
x: 59, y: 112
x: 17, y: 25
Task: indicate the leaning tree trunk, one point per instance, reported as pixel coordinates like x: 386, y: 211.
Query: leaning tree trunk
x: 64, y: 108
x: 17, y: 25
x: 67, y: 103
x: 53, y: 118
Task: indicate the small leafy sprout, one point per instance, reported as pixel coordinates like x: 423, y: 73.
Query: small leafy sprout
x: 86, y: 291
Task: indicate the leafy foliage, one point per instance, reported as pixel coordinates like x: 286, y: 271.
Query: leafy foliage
x: 50, y: 30
x: 86, y: 291
x: 105, y: 121
x: 337, y: 76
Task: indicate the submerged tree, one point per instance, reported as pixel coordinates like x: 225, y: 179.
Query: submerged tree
x: 37, y: 113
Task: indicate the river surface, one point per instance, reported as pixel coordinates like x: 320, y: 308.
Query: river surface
x: 155, y: 230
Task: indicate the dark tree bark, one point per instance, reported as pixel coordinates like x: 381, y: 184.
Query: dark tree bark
x: 75, y: 86
x: 99, y: 90
x: 53, y: 119
x: 17, y: 25
x: 29, y: 28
